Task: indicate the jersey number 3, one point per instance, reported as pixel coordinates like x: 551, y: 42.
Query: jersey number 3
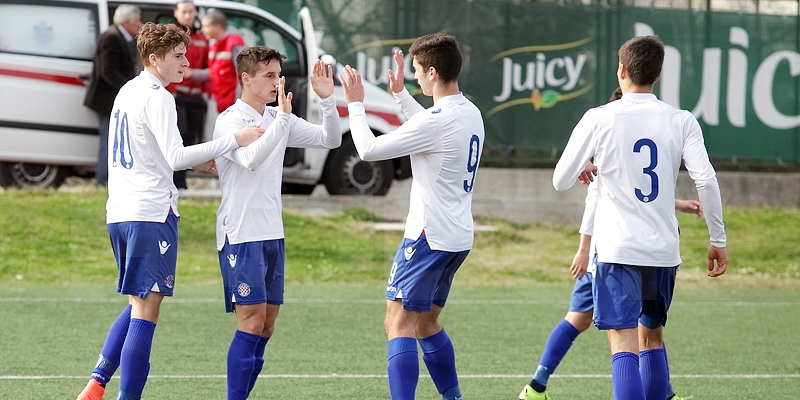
x: 472, y: 162
x: 122, y: 142
x: 649, y: 171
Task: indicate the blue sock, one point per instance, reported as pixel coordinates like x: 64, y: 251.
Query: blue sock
x: 135, y: 359
x: 403, y: 368
x: 440, y: 358
x: 241, y: 361
x: 558, y: 343
x: 670, y: 391
x: 259, y: 364
x: 108, y: 362
x: 625, y: 377
x: 654, y: 373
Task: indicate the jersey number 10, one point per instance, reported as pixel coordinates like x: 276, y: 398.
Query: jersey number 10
x: 122, y: 142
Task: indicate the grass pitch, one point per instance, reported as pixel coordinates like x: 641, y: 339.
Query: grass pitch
x: 729, y: 337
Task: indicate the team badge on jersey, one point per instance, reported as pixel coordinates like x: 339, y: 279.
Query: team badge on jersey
x: 232, y: 260
x: 273, y: 113
x: 170, y: 281
x: 163, y: 246
x: 244, y: 289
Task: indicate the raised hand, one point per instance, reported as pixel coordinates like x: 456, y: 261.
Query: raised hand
x: 351, y: 83
x: 396, y: 79
x: 322, y: 79
x: 284, y: 100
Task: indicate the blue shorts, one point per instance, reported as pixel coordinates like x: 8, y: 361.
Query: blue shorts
x: 625, y: 295
x: 146, y: 254
x: 252, y: 272
x: 582, y: 295
x: 421, y: 276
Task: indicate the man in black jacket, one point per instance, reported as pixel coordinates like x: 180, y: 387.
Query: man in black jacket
x: 115, y: 62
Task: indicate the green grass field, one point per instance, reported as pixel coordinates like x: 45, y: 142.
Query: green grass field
x: 732, y: 337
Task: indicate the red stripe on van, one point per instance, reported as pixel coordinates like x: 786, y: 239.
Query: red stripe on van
x: 69, y: 80
x: 388, y: 117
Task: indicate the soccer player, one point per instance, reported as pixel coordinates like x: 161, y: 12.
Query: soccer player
x: 579, y: 316
x: 145, y: 148
x: 445, y: 144
x: 637, y: 143
x: 249, y: 224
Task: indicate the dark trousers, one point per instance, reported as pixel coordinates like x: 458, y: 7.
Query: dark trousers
x: 191, y: 121
x: 101, y: 171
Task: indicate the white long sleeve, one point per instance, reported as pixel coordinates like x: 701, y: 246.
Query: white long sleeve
x: 252, y: 156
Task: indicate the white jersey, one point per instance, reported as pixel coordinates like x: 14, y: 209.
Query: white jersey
x: 445, y: 143
x: 250, y: 178
x: 145, y: 148
x: 637, y: 143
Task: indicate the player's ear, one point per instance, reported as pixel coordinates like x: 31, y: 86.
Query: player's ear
x: 658, y: 78
x: 153, y: 59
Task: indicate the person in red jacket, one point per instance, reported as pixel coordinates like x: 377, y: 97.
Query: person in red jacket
x: 221, y: 72
x: 191, y: 94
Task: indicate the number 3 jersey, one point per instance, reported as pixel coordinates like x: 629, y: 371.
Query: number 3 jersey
x: 445, y: 143
x: 144, y: 148
x: 637, y: 144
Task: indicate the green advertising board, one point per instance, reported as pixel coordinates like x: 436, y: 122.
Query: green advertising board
x: 535, y: 68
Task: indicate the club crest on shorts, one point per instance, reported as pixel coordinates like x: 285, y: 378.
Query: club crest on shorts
x: 170, y: 281
x: 244, y: 289
x: 232, y: 260
x: 409, y: 252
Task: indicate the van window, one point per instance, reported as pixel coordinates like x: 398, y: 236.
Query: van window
x: 52, y: 29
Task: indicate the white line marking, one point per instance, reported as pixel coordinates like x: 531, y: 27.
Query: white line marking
x: 122, y: 299
x: 379, y: 376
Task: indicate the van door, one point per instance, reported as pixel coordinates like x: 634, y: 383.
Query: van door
x: 313, y: 113
x: 46, y: 51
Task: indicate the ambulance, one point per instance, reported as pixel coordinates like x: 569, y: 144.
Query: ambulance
x: 47, y: 134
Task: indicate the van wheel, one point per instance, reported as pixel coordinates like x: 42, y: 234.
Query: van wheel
x: 346, y: 174
x: 31, y: 175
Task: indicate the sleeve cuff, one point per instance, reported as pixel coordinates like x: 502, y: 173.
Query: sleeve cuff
x: 401, y: 94
x: 356, y: 108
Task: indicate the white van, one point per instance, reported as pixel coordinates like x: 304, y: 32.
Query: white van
x: 46, y: 133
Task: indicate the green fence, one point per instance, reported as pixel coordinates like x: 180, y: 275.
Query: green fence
x: 534, y: 68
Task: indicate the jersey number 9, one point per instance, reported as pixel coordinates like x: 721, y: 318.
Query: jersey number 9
x: 472, y: 161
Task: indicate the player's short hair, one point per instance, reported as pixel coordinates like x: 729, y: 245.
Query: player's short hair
x: 217, y: 17
x: 126, y: 12
x: 179, y: 2
x: 439, y: 51
x: 249, y: 58
x: 642, y: 57
x: 615, y: 95
x: 158, y: 39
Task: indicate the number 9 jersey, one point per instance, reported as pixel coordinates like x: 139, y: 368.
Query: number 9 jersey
x: 637, y: 144
x: 445, y: 143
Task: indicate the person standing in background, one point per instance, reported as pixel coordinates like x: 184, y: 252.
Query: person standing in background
x: 191, y: 94
x: 221, y: 72
x: 113, y: 64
